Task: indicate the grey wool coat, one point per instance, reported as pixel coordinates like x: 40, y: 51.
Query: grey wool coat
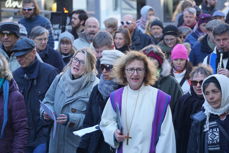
x: 68, y: 96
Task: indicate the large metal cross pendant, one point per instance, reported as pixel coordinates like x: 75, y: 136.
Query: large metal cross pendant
x: 127, y: 138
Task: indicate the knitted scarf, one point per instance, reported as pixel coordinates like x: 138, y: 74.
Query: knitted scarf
x: 105, y: 87
x: 5, y: 85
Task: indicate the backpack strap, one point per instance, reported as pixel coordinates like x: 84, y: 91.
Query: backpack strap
x: 162, y: 103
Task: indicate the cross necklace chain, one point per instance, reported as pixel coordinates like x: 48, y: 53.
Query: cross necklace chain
x: 131, y: 121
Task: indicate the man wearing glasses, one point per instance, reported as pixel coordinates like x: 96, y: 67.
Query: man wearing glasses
x: 139, y: 39
x: 9, y: 34
x: 30, y: 11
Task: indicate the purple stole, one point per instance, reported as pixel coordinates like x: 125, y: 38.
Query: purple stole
x: 162, y: 103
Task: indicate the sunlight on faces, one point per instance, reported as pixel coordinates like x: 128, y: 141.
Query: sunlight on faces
x: 213, y: 95
x: 65, y: 46
x: 28, y: 10
x: 78, y: 65
x: 197, y: 88
x: 106, y: 71
x: 132, y: 23
x: 156, y: 31
x: 98, y: 51
x: 150, y: 15
x: 41, y: 41
x: 170, y: 40
x: 91, y: 28
x: 75, y: 21
x: 119, y: 40
x: 222, y: 41
x: 135, y: 74
x: 8, y: 39
x: 189, y: 19
x: 27, y: 59
x: 179, y: 64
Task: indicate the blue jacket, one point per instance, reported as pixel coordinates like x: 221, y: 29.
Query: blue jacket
x: 33, y: 82
x: 199, y: 51
x: 38, y: 21
x: 52, y: 57
x: 139, y: 40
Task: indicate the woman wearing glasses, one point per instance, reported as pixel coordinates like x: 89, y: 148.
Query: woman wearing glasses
x: 94, y: 142
x: 137, y: 118
x: 67, y: 97
x: 189, y: 104
x: 210, y: 127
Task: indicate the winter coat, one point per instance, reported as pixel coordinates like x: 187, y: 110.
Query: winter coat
x: 186, y: 106
x: 168, y: 84
x: 13, y: 63
x: 52, y: 57
x: 199, y: 51
x: 210, y: 128
x: 139, y: 40
x: 38, y: 20
x: 16, y: 130
x: 33, y: 83
x: 68, y: 96
x: 81, y: 42
x: 94, y: 142
x: 192, y: 38
x: 198, y: 137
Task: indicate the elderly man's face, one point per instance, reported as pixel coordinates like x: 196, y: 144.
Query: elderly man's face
x: 8, y: 39
x: 222, y: 41
x: 27, y: 59
x: 91, y: 28
x: 156, y: 31
x: 129, y: 23
x: 28, y: 10
x: 41, y: 41
x: 189, y: 19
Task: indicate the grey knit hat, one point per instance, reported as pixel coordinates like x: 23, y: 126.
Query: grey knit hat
x: 66, y: 35
x: 110, y: 56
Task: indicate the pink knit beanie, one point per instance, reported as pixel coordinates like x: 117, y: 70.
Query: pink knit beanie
x: 179, y: 52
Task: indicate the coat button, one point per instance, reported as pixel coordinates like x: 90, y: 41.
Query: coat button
x: 73, y: 110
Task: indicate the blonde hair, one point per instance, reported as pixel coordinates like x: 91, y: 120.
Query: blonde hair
x: 4, y: 69
x: 90, y: 60
x: 119, y: 68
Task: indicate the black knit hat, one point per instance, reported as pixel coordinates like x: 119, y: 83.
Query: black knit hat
x: 171, y: 30
x: 158, y: 23
x: 11, y: 27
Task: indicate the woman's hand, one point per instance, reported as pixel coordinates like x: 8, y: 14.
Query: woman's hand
x: 45, y: 116
x: 62, y: 119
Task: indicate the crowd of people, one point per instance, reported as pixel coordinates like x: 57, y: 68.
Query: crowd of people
x: 149, y: 86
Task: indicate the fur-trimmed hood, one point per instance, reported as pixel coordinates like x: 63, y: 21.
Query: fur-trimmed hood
x: 165, y: 68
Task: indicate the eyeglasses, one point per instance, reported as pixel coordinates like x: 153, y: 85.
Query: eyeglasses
x: 195, y: 83
x: 107, y: 67
x: 132, y: 70
x: 41, y: 39
x: 6, y: 33
x: 76, y: 60
x: 28, y: 9
x: 126, y: 22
